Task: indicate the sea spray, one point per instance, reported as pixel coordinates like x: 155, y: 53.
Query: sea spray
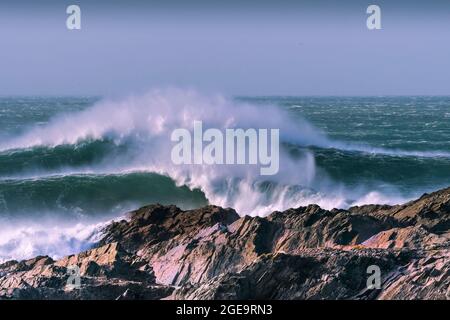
x: 29, y: 239
x: 234, y: 147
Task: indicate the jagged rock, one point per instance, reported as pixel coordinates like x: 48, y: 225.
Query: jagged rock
x: 105, y: 273
x: 414, y: 237
x: 314, y: 274
x: 432, y: 211
x: 162, y: 252
x: 425, y: 278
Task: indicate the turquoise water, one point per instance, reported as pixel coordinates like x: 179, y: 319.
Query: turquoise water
x: 397, y: 124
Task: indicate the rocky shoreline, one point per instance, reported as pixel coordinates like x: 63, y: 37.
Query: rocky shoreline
x: 162, y: 252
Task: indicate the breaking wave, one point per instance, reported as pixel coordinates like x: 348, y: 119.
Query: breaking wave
x: 115, y: 156
x: 133, y: 135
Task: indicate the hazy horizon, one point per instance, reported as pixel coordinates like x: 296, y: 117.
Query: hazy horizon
x: 234, y: 96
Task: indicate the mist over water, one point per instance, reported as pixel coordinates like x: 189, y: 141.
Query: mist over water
x: 85, y: 161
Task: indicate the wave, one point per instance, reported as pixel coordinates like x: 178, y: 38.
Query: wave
x: 352, y: 147
x: 115, y: 156
x: 134, y: 136
x: 76, y: 196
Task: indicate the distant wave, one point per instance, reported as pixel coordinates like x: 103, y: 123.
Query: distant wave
x: 352, y: 147
x: 157, y: 113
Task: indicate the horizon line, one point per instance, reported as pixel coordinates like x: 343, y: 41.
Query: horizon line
x: 235, y: 96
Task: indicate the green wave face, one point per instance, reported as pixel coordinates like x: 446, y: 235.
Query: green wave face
x: 48, y: 159
x: 90, y: 195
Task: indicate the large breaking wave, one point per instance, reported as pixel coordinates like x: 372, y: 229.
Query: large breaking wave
x: 140, y: 127
x: 119, y: 146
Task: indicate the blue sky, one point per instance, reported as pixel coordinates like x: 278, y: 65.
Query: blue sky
x: 235, y: 47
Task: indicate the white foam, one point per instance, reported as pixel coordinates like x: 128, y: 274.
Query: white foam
x: 28, y: 239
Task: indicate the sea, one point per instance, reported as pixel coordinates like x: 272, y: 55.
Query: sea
x: 70, y: 165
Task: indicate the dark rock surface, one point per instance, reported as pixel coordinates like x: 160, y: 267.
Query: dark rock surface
x: 162, y: 252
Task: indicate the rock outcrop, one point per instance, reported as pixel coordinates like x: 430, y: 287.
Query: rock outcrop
x: 162, y: 252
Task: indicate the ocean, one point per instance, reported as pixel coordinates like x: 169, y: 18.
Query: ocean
x: 68, y: 165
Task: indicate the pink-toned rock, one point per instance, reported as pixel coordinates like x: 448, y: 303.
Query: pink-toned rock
x: 163, y: 252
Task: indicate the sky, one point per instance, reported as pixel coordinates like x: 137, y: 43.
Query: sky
x: 232, y: 47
